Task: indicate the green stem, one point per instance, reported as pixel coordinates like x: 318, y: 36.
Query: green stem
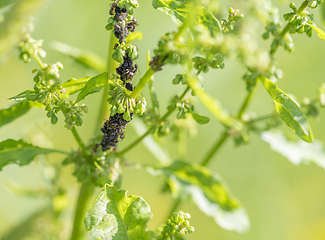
x: 110, y: 68
x: 142, y: 83
x: 174, y: 207
x: 248, y: 100
x: 262, y: 118
x: 163, y: 118
x: 79, y: 141
x: 84, y: 198
x: 86, y: 190
x: 39, y: 60
x: 215, y: 148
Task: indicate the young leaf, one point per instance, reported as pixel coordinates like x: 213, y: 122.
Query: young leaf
x: 178, y: 10
x: 93, y: 85
x: 213, y: 105
x: 200, y: 119
x: 297, y: 151
x: 72, y: 86
x: 114, y: 215
x: 12, y: 112
x: 208, y: 191
x: 86, y: 58
x: 289, y: 111
x: 319, y: 31
x: 28, y: 95
x: 20, y: 152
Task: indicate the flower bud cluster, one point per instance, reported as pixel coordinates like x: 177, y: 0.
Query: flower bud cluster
x: 314, y: 4
x: 234, y: 16
x: 123, y: 106
x: 96, y: 168
x: 29, y: 48
x: 176, y: 227
x: 47, y: 89
x: 213, y: 61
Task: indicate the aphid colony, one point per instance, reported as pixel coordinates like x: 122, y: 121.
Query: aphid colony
x: 124, y: 24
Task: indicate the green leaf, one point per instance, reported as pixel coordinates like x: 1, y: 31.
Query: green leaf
x: 73, y: 86
x: 95, y: 84
x: 133, y: 36
x: 16, y: 21
x: 322, y: 11
x: 208, y: 191
x: 28, y: 95
x: 178, y: 11
x: 295, y: 150
x: 213, y: 105
x: 12, y: 112
x: 86, y: 58
x: 319, y: 31
x: 289, y: 111
x: 114, y: 215
x: 20, y: 152
x: 200, y: 119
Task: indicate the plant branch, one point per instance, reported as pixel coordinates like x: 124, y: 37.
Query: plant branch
x: 163, y: 118
x: 142, y: 83
x: 287, y: 28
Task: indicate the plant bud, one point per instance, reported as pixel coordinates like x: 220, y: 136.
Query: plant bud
x: 54, y: 119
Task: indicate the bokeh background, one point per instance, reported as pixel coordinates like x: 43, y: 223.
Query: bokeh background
x: 283, y: 201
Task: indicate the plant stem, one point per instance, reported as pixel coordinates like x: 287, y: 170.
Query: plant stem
x: 142, y: 83
x: 215, y: 148
x: 84, y: 198
x: 110, y: 68
x: 248, y: 100
x: 86, y: 190
x: 163, y: 118
x: 78, y: 139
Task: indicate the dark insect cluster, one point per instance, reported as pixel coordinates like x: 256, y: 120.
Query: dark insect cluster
x: 113, y: 128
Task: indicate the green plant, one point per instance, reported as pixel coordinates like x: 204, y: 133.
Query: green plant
x: 201, y: 43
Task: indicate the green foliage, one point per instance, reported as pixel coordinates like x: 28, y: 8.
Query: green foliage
x: 20, y: 152
x: 208, y: 191
x: 12, y: 112
x: 114, y: 215
x: 93, y: 85
x: 289, y: 111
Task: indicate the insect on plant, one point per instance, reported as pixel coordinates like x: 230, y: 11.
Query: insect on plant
x: 207, y: 37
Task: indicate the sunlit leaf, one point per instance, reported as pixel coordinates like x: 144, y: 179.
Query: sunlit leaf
x: 86, y: 58
x: 289, y: 111
x: 208, y: 191
x: 297, y: 151
x: 213, y: 105
x: 114, y: 215
x: 319, y: 31
x: 20, y: 152
x: 95, y: 84
x: 13, y: 28
x: 73, y: 86
x: 12, y: 112
x: 178, y: 10
x: 200, y: 119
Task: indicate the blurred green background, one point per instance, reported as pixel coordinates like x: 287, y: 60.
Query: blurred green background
x: 283, y: 201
